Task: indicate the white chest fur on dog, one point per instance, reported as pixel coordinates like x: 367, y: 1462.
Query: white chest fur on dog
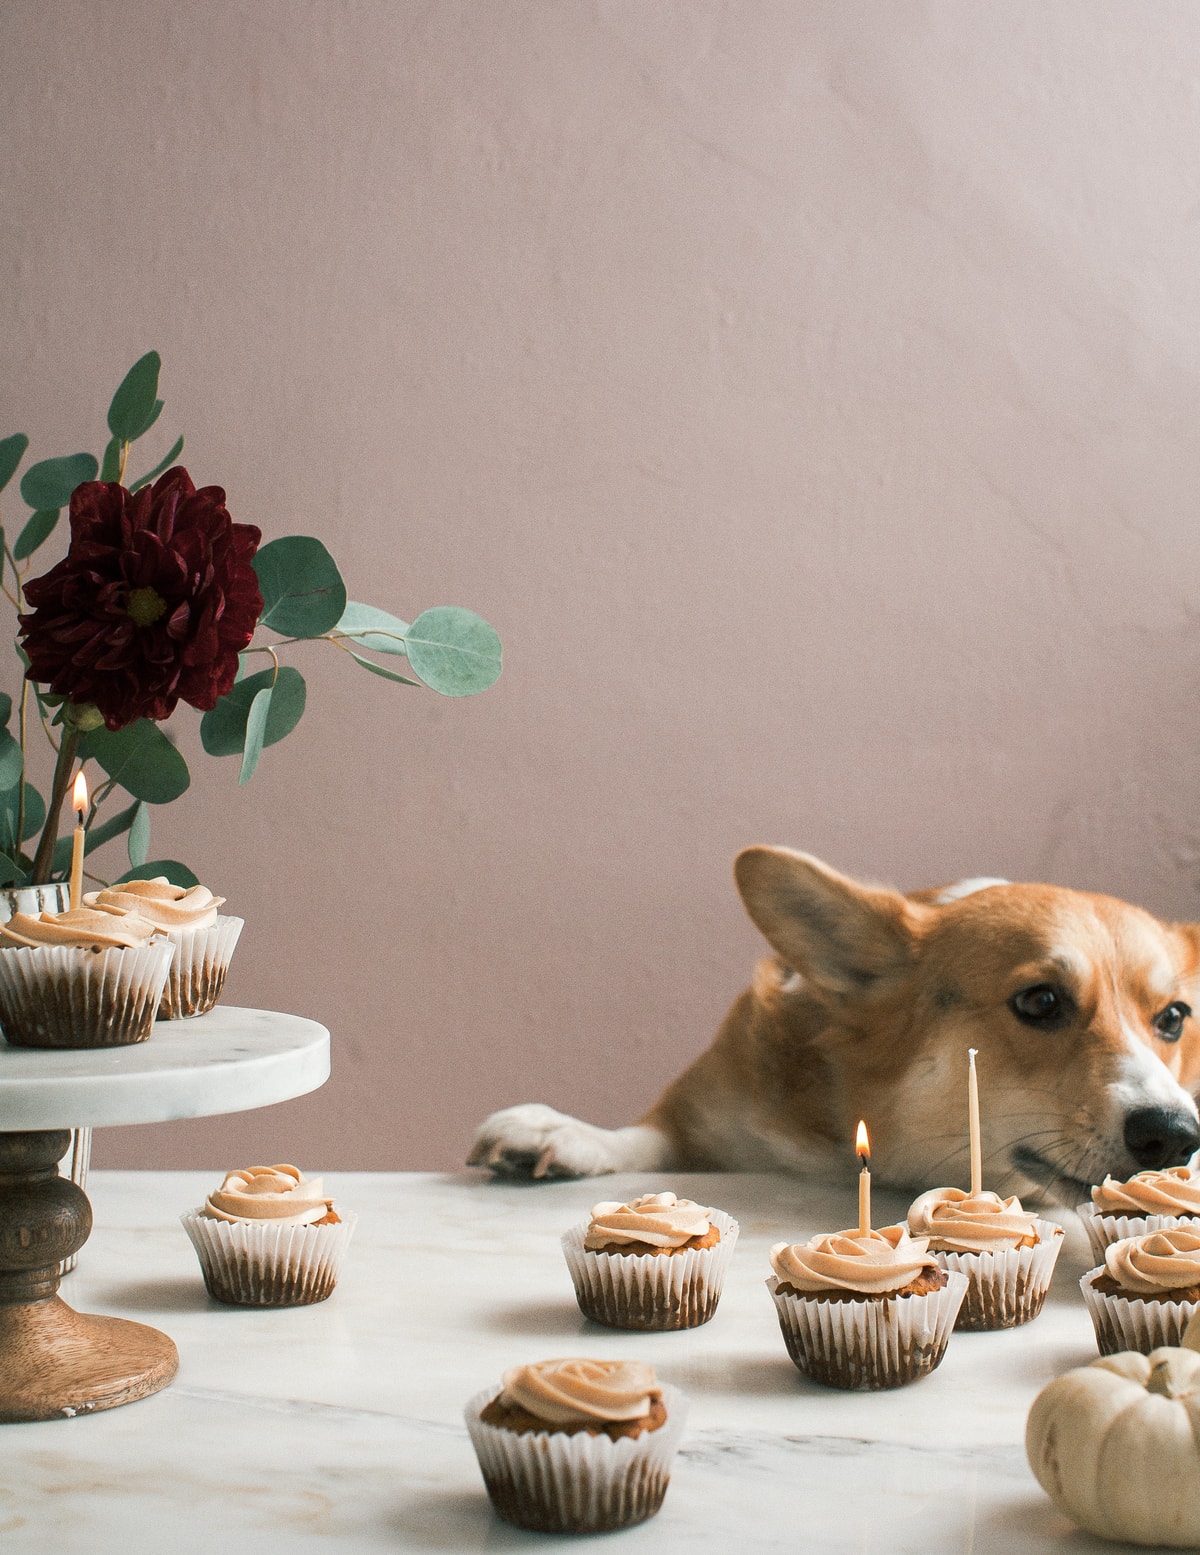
x: 1080, y: 1007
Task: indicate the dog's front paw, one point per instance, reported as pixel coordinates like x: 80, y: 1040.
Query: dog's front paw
x: 534, y: 1140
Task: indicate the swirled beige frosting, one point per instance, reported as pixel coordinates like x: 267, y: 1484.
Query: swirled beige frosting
x: 959, y: 1222
x: 573, y: 1392
x: 873, y: 1263
x: 278, y: 1193
x: 1158, y: 1261
x: 657, y: 1219
x: 1174, y: 1191
x: 165, y: 905
x: 81, y: 928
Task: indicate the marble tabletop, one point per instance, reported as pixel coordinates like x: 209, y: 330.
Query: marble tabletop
x: 338, y: 1428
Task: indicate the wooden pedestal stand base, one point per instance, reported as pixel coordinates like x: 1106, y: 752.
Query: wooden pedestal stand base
x: 56, y: 1362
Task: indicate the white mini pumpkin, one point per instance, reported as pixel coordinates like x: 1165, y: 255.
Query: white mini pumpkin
x: 1116, y: 1446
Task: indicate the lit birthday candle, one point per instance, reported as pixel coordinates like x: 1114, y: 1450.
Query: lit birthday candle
x: 862, y: 1145
x: 79, y: 802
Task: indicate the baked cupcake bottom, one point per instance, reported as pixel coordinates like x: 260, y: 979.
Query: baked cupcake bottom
x: 881, y: 1342
x: 198, y: 971
x: 1005, y: 1288
x: 268, y: 1266
x: 647, y: 1292
x: 55, y: 996
x: 552, y: 1482
x: 1133, y: 1322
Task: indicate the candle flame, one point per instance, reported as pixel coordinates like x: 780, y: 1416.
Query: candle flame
x: 79, y: 794
x: 862, y: 1143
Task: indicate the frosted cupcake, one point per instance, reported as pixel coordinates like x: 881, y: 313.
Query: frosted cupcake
x: 864, y: 1310
x: 656, y: 1263
x: 269, y: 1237
x: 204, y: 941
x: 1147, y: 1201
x: 1007, y: 1253
x: 1146, y: 1290
x: 80, y: 979
x: 576, y: 1446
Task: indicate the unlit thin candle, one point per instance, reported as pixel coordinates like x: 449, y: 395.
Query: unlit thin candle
x: 973, y: 1115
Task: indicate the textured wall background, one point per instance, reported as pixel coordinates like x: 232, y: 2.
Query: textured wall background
x: 806, y: 389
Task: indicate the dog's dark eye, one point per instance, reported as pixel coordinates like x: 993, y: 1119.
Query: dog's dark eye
x: 1169, y: 1024
x: 1041, y: 1005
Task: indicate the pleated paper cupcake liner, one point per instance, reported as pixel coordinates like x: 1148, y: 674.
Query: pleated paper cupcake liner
x: 549, y: 1482
x: 1007, y: 1287
x: 202, y: 959
x: 265, y: 1265
x: 868, y: 1345
x: 64, y: 997
x: 1125, y: 1323
x: 1103, y: 1230
x: 646, y: 1292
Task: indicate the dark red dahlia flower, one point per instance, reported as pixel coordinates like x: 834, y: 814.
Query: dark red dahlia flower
x: 152, y: 603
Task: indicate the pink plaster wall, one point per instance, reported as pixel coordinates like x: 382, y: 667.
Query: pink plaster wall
x: 806, y: 389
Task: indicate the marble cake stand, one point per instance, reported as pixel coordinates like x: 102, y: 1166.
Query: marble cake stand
x: 54, y: 1361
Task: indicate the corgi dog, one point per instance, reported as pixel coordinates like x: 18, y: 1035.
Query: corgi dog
x: 1080, y: 1007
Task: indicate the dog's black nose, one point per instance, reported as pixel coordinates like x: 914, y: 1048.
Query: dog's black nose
x: 1156, y: 1137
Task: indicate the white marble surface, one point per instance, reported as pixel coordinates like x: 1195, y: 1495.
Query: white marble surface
x: 338, y: 1428
x: 226, y: 1061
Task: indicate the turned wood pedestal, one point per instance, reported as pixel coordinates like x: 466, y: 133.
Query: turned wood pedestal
x: 56, y: 1362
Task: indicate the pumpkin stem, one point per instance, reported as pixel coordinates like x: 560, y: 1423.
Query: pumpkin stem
x: 1159, y: 1380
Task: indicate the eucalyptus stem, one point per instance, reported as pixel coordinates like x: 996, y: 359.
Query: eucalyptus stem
x: 43, y: 859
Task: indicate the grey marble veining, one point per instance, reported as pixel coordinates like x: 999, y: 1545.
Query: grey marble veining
x: 338, y: 1428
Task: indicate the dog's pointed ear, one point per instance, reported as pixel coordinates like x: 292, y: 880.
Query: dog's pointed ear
x: 844, y: 938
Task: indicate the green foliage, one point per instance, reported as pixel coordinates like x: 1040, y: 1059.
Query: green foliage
x: 11, y: 873
x: 162, y: 466
x: 373, y: 629
x: 49, y: 484
x: 378, y: 669
x: 454, y: 651
x: 138, y: 845
x: 39, y: 529
x: 256, y: 728
x: 110, y: 465
x: 141, y: 759
x: 176, y: 873
x: 302, y: 589
x: 12, y: 451
x: 223, y: 730
x: 12, y: 763
x: 35, y: 817
x: 5, y: 709
x: 135, y: 406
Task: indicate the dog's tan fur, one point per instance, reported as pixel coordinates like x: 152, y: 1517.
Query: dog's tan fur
x: 867, y: 1008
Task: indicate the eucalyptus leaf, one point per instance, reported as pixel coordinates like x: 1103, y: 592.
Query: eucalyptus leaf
x: 256, y: 727
x: 11, y: 872
x: 159, y: 468
x: 378, y: 669
x: 95, y: 836
x: 50, y: 483
x: 133, y: 405
x: 373, y: 629
x: 12, y: 451
x: 35, y: 816
x: 302, y: 589
x: 178, y: 874
x: 154, y: 415
x: 38, y: 530
x: 454, y: 651
x: 5, y: 708
x: 110, y: 465
x: 138, y: 844
x: 141, y: 759
x: 223, y: 730
x: 12, y: 762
